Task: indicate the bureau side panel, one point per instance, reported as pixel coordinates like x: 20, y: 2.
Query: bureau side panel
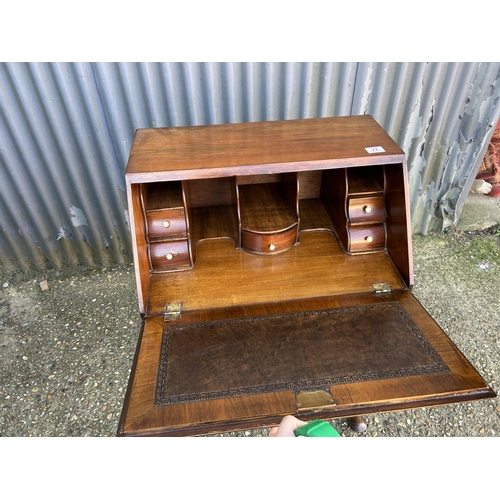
x: 139, y: 243
x: 398, y: 221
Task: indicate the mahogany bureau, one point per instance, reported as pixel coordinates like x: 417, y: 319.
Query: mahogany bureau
x: 274, y: 273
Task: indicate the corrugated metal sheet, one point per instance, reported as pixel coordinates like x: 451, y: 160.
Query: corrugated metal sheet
x: 442, y: 115
x: 66, y: 131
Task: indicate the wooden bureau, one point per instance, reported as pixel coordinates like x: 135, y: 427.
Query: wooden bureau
x: 274, y: 272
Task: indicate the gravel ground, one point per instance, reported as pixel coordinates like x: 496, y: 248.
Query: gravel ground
x: 66, y: 346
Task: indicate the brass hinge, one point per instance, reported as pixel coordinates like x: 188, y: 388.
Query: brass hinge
x: 313, y: 400
x: 382, y: 287
x: 172, y: 312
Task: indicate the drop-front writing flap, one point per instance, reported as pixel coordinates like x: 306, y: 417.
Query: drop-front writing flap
x: 243, y: 367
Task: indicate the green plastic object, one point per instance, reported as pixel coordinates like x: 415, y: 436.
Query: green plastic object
x: 316, y: 428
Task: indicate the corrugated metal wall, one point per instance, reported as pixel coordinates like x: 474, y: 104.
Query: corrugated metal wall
x: 66, y: 130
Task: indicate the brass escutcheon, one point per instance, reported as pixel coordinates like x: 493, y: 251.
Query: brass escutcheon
x: 314, y: 400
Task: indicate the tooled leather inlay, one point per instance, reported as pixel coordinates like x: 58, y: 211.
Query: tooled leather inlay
x: 291, y: 351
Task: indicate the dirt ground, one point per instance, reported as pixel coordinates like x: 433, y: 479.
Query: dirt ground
x: 67, y: 341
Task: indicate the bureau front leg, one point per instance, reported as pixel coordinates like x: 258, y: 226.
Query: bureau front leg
x: 357, y: 424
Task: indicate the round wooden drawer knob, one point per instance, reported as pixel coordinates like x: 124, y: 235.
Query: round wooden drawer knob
x: 367, y: 209
x: 166, y: 224
x: 369, y: 239
x: 272, y: 247
x: 169, y: 256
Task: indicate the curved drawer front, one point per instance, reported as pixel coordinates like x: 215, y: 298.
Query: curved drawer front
x: 366, y: 209
x: 367, y: 238
x: 166, y: 223
x: 169, y: 254
x: 269, y: 243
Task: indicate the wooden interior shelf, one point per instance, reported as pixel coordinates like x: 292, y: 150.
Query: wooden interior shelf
x: 264, y: 208
x: 214, y: 222
x: 163, y: 195
x: 365, y: 180
x: 313, y: 216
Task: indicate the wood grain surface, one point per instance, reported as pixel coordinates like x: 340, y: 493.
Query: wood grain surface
x: 252, y: 329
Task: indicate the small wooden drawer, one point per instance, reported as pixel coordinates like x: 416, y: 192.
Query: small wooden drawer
x: 166, y: 223
x: 367, y: 238
x: 269, y: 243
x: 366, y: 209
x: 169, y: 254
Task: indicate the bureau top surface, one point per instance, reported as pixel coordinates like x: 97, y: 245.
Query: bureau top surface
x: 214, y: 150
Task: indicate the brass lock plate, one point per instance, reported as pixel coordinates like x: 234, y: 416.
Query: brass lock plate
x: 315, y: 399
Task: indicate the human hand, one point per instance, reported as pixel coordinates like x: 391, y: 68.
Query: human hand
x: 287, y: 426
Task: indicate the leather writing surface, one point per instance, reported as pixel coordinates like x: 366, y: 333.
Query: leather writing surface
x: 291, y: 351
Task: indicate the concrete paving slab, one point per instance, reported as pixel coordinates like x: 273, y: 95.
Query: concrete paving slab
x: 479, y: 212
